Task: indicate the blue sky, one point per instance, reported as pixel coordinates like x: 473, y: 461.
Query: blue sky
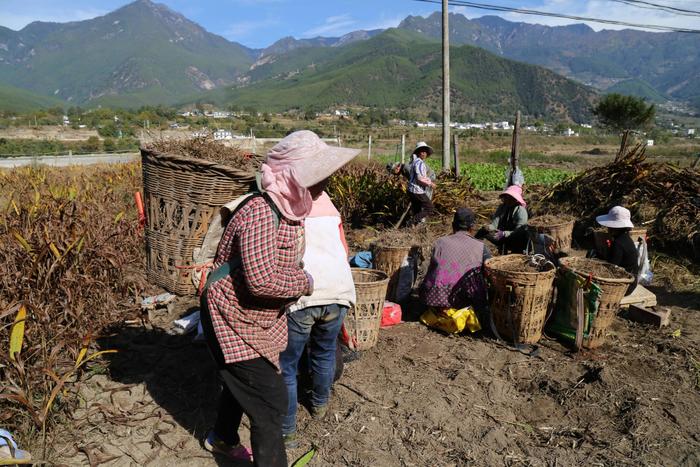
x: 258, y: 23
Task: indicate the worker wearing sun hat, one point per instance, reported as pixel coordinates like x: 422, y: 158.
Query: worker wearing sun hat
x: 622, y: 252
x: 257, y: 271
x: 508, y: 227
x: 420, y: 184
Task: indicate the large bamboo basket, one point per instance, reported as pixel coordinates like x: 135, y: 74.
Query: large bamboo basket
x: 389, y: 259
x: 601, y: 238
x: 613, y: 290
x: 519, y: 300
x: 181, y: 197
x: 562, y: 233
x: 363, y: 320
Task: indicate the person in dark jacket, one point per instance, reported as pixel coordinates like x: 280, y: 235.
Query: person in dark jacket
x: 623, y: 251
x: 508, y: 227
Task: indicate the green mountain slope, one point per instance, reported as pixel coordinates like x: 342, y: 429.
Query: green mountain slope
x: 19, y: 100
x: 144, y: 52
x: 637, y: 87
x: 668, y: 62
x: 403, y: 70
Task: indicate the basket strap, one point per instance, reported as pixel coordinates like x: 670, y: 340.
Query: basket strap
x: 580, y: 317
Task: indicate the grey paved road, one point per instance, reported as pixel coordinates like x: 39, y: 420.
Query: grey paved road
x: 64, y: 161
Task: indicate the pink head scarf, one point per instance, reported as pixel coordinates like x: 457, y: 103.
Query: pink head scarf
x: 280, y: 174
x: 297, y: 162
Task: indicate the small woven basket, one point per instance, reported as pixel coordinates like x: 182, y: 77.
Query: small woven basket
x: 612, y: 292
x: 181, y: 196
x: 562, y: 233
x: 363, y: 320
x: 389, y: 259
x: 519, y: 300
x: 601, y: 238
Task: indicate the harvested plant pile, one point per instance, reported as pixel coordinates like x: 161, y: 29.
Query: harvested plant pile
x: 206, y: 148
x: 663, y: 197
x: 72, y: 264
x: 452, y: 193
x: 369, y: 195
x: 549, y: 220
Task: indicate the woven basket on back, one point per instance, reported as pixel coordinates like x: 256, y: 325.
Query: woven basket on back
x: 601, y: 238
x: 560, y: 232
x: 519, y: 300
x: 389, y: 259
x: 612, y: 292
x: 181, y: 196
x: 363, y: 320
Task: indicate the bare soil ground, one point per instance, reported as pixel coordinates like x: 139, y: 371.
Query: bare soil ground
x: 418, y: 398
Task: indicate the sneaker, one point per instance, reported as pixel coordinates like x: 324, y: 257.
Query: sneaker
x: 213, y: 444
x: 317, y: 413
x: 290, y: 441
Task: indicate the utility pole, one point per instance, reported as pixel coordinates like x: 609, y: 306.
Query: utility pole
x: 403, y: 148
x: 455, y: 153
x: 369, y: 148
x: 515, y: 149
x: 445, y: 86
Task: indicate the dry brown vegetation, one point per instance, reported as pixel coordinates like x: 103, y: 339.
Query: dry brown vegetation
x: 72, y: 261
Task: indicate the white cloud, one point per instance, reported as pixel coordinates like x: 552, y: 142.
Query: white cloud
x: 333, y: 26
x: 602, y: 9
x: 18, y: 21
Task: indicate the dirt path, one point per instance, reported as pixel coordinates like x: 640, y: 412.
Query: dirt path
x: 419, y: 398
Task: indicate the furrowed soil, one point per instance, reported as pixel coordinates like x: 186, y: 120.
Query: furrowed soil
x: 418, y: 398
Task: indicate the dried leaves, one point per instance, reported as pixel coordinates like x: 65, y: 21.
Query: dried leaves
x: 65, y: 245
x: 662, y: 196
x: 206, y: 148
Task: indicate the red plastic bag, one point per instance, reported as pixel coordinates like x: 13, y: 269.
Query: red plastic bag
x: 391, y: 314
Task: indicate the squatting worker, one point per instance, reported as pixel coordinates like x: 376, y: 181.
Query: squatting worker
x: 243, y: 310
x: 508, y: 227
x: 455, y: 274
x: 420, y: 185
x: 622, y: 252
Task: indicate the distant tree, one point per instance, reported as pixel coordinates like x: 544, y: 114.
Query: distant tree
x: 435, y: 116
x: 624, y: 114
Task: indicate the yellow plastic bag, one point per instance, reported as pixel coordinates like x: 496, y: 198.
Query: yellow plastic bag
x: 451, y: 320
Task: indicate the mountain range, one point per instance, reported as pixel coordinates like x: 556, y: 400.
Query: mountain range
x: 145, y: 53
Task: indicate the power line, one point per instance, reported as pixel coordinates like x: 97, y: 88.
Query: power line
x: 485, y: 6
x: 659, y: 6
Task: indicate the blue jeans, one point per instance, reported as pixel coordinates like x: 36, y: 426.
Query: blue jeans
x: 319, y: 326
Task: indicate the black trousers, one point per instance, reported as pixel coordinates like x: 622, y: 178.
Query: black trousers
x: 421, y: 207
x: 253, y: 387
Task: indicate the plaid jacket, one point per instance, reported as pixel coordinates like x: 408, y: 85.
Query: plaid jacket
x: 246, y: 306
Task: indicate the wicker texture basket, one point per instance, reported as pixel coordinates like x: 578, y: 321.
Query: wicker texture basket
x: 612, y: 292
x: 519, y: 300
x: 181, y: 196
x: 601, y: 238
x: 389, y: 259
x: 363, y: 320
x: 562, y: 233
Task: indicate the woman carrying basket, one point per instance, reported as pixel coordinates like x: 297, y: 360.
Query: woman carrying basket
x: 257, y: 273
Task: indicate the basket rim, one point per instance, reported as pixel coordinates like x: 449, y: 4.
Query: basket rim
x: 385, y: 276
x: 226, y: 169
x: 512, y: 256
x: 563, y: 262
